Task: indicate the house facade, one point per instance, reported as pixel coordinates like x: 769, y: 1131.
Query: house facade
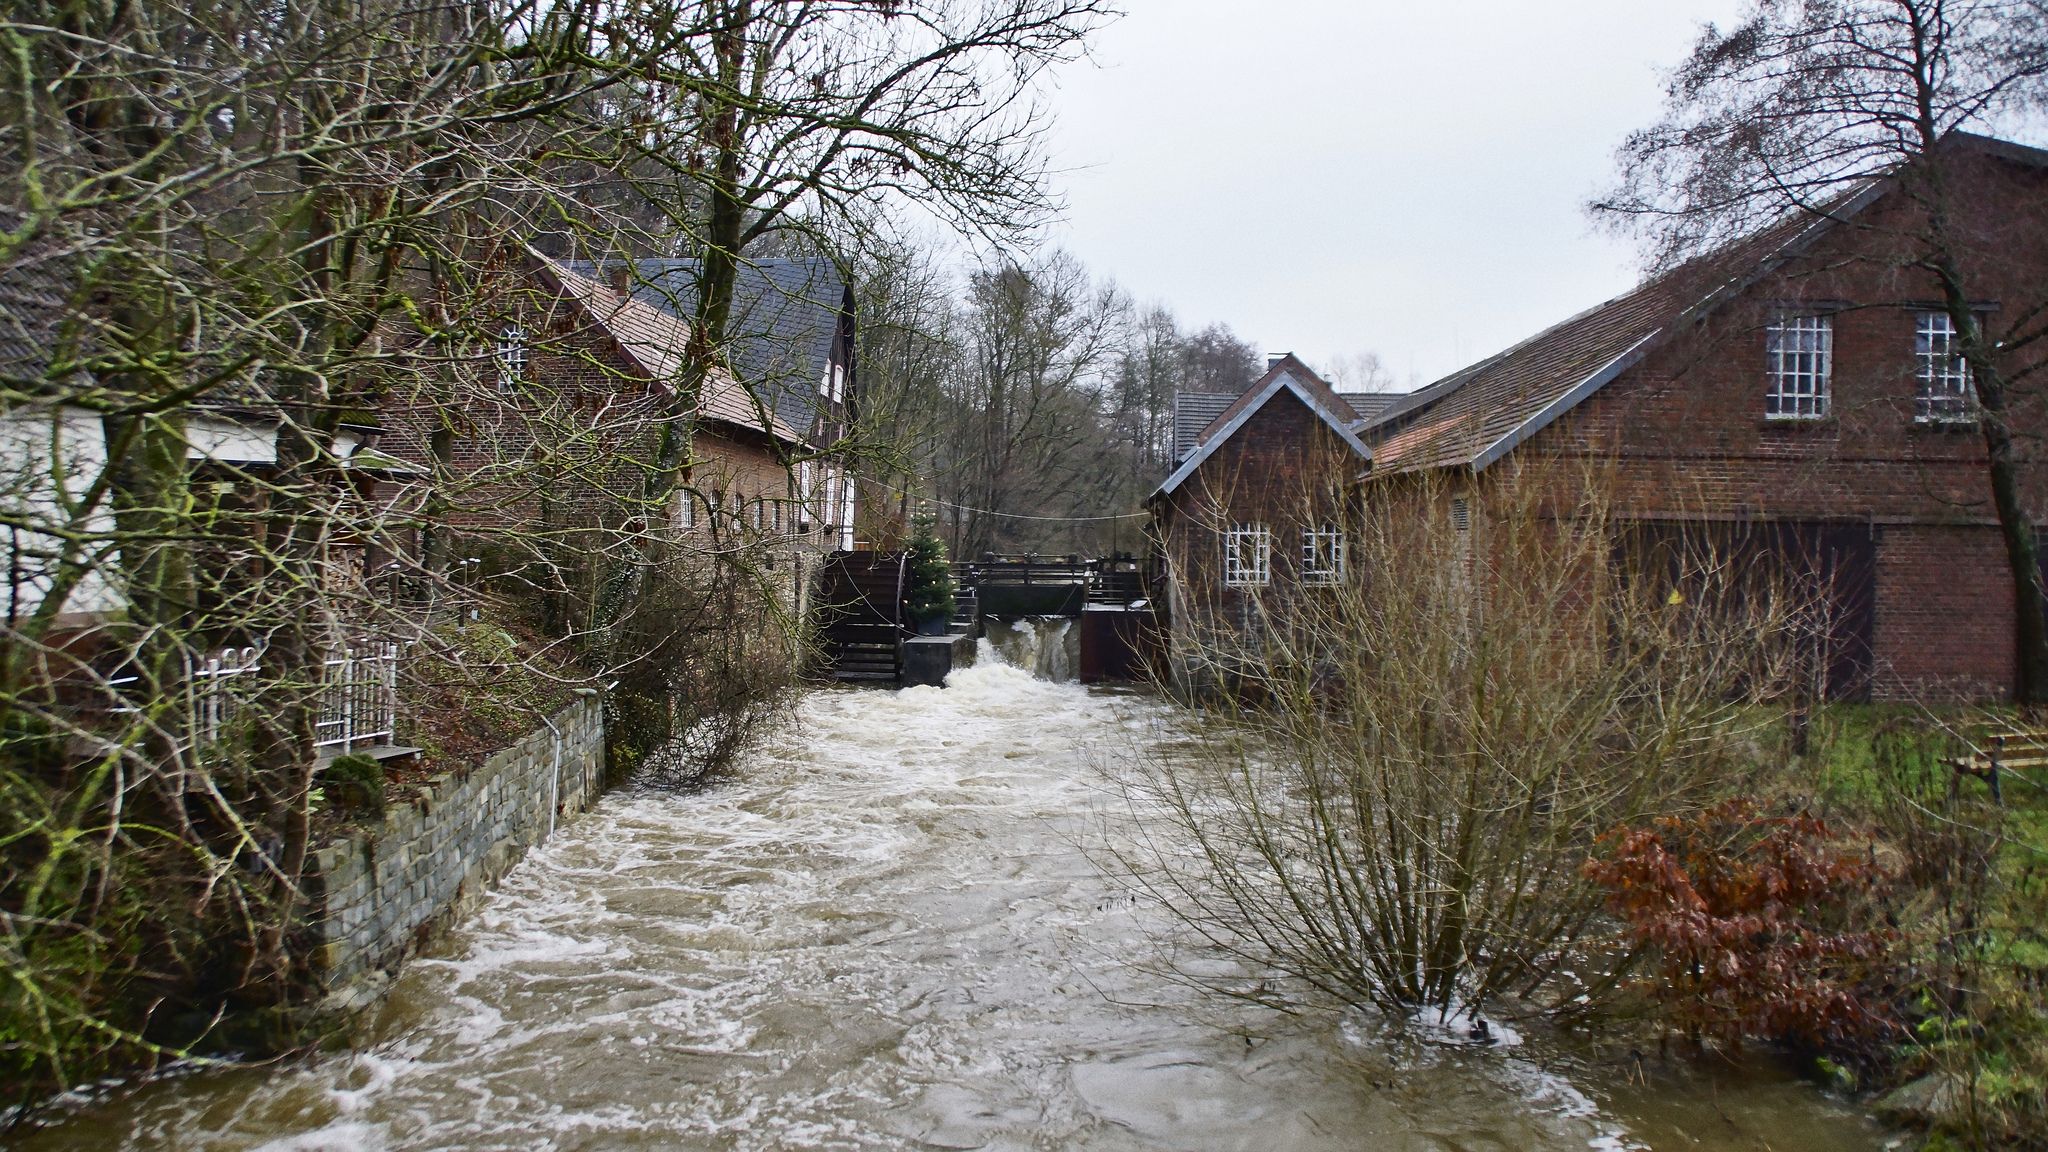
x: 1796, y: 396
x: 564, y: 421
x: 1256, y: 511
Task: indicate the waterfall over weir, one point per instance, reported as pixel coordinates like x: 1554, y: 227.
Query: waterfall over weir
x: 1048, y: 647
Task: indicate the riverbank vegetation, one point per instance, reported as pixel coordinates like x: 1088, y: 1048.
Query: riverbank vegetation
x: 1524, y: 764
x: 233, y: 238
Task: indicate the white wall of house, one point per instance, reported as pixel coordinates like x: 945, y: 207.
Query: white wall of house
x: 213, y: 437
x: 50, y: 456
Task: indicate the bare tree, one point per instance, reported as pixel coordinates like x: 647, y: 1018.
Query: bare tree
x: 1037, y: 342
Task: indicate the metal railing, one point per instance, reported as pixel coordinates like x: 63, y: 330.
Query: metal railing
x: 358, y: 698
x: 210, y: 690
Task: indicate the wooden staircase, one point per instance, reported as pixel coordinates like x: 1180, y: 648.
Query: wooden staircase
x: 861, y: 615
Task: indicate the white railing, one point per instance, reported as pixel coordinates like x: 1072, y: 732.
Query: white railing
x: 210, y: 685
x: 358, y: 695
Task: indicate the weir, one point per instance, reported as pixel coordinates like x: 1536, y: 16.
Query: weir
x: 1109, y: 622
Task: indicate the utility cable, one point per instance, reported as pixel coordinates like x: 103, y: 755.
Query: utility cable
x: 1011, y: 515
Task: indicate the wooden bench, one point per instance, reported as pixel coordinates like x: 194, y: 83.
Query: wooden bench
x: 2001, y: 752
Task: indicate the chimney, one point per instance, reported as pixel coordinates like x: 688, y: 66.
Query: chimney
x: 620, y: 274
x: 1273, y: 359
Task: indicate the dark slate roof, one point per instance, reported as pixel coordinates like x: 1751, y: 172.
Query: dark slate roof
x: 1368, y: 405
x: 1474, y: 416
x: 785, y: 317
x: 1192, y: 412
x: 34, y: 296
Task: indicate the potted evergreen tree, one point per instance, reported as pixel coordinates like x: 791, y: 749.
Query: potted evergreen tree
x: 928, y: 578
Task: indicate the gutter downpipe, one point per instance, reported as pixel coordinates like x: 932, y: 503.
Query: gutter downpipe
x: 555, y: 775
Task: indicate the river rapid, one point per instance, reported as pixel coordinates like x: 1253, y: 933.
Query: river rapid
x: 886, y: 931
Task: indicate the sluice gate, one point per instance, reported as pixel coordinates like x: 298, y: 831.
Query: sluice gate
x: 1113, y: 631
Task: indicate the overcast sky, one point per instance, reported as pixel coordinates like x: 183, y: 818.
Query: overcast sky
x: 1331, y: 177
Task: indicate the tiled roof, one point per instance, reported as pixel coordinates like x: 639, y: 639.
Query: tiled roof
x: 657, y: 340
x: 1369, y: 405
x: 1193, y: 412
x: 34, y: 295
x: 1282, y: 373
x: 785, y: 318
x: 1473, y: 416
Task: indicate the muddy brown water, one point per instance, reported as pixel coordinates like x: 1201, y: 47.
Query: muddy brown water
x: 883, y: 933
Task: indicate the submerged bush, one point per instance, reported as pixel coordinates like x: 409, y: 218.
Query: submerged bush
x: 1400, y: 774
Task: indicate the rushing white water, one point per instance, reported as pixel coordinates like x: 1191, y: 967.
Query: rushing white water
x: 1048, y: 647
x: 882, y: 933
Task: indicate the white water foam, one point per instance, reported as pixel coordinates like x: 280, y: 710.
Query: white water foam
x: 880, y: 934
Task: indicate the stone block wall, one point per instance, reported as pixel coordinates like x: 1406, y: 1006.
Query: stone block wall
x: 380, y: 893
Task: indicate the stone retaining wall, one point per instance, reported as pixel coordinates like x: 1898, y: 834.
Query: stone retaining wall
x: 379, y: 894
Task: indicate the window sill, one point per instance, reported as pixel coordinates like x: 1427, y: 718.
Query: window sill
x: 1939, y: 424
x: 1801, y: 425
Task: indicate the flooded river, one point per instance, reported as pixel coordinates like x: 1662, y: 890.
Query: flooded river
x: 885, y: 932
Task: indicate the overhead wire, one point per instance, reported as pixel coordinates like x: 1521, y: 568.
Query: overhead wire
x: 1012, y: 515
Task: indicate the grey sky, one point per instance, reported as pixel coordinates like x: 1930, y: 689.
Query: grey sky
x: 1331, y: 178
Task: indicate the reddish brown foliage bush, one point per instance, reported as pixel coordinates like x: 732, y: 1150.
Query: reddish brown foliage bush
x: 1753, y: 923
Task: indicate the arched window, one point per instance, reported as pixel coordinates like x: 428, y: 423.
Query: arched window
x: 511, y: 357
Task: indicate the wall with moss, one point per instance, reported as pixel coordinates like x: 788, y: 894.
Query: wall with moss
x: 379, y: 893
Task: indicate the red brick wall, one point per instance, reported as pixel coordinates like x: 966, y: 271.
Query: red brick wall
x: 1944, y: 612
x: 573, y: 439
x: 1689, y: 428
x: 1284, y: 468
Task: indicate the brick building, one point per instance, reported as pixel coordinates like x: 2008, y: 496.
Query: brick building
x: 1253, y: 512
x: 567, y: 411
x: 1797, y: 392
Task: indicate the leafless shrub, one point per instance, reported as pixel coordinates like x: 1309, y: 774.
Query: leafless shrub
x: 1397, y: 777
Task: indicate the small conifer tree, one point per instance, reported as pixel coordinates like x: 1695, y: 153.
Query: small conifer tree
x: 928, y: 580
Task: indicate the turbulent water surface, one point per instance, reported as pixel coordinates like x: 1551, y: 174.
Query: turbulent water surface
x: 885, y: 933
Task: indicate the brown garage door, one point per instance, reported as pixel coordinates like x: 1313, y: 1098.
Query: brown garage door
x: 1835, y: 562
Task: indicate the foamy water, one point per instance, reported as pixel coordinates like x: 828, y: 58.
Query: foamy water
x: 883, y: 933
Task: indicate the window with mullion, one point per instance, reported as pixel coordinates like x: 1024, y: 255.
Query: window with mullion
x: 1944, y: 392
x: 1322, y: 555
x: 511, y: 357
x: 1799, y: 355
x: 1247, y: 556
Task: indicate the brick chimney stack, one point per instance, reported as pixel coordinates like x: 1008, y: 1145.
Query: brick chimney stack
x: 620, y: 274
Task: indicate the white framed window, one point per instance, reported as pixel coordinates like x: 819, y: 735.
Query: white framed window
x: 686, y: 510
x: 1944, y: 393
x: 511, y: 357
x: 1247, y: 556
x: 1799, y: 354
x: 777, y: 514
x: 1322, y: 555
